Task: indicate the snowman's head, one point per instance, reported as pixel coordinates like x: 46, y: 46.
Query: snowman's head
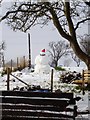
x: 42, y: 53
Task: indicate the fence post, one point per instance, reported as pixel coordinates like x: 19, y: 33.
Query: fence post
x: 17, y: 63
x: 8, y: 78
x: 11, y: 64
x: 75, y: 112
x: 83, y: 92
x: 24, y: 64
x: 52, y: 80
x: 29, y: 47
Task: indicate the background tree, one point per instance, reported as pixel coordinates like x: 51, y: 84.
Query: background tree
x: 66, y: 17
x: 57, y: 50
x: 2, y: 48
x: 85, y: 44
x: 72, y: 55
x: 75, y: 58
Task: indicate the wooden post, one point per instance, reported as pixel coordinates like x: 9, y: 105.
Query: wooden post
x: 24, y: 65
x: 8, y: 78
x: 17, y: 63
x: 83, y: 92
x: 52, y: 80
x: 29, y: 47
x: 11, y: 65
x: 75, y: 112
x: 20, y: 80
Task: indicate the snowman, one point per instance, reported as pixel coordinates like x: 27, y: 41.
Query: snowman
x: 41, y: 63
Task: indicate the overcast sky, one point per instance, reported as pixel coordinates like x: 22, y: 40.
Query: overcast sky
x: 17, y: 42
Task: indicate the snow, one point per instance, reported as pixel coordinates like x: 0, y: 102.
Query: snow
x: 42, y: 76
x: 77, y: 69
x: 44, y: 80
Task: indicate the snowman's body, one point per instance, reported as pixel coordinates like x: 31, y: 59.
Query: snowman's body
x: 41, y: 64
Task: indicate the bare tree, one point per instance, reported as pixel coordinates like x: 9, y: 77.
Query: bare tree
x: 2, y: 48
x: 75, y: 58
x: 57, y: 50
x: 23, y: 15
x: 71, y: 54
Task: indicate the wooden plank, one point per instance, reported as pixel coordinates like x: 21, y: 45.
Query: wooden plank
x: 37, y: 94
x: 36, y: 104
x: 35, y: 101
x: 87, y: 79
x: 83, y: 112
x: 19, y: 79
x: 86, y: 71
x: 27, y: 118
x: 35, y: 107
x: 34, y: 113
x: 86, y: 75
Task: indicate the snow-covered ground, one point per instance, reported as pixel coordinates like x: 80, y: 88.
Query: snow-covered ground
x: 44, y: 80
x: 34, y: 78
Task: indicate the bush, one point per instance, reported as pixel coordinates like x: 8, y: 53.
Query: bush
x: 59, y: 69
x: 79, y: 87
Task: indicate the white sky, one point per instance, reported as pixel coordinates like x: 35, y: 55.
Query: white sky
x: 17, y: 42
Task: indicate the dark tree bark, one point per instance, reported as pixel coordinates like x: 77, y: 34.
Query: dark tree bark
x: 88, y: 3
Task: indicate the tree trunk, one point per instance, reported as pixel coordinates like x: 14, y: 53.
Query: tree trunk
x: 72, y: 36
x: 84, y: 57
x: 88, y: 63
x: 56, y: 63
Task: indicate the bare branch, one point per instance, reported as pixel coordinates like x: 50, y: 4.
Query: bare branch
x: 58, y: 25
x: 88, y: 3
x: 23, y: 15
x: 1, y: 1
x: 57, y: 50
x: 82, y: 21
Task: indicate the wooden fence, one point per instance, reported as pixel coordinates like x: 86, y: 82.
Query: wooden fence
x: 85, y: 79
x: 18, y: 65
x: 26, y: 105
x: 9, y: 72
